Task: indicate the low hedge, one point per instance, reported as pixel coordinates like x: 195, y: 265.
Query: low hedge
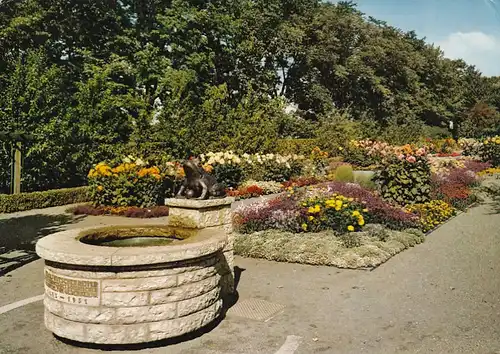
x: 11, y: 203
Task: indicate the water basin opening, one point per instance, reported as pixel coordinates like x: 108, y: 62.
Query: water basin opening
x: 136, y: 236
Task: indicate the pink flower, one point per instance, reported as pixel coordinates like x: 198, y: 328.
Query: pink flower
x: 411, y: 159
x: 401, y: 156
x: 420, y: 152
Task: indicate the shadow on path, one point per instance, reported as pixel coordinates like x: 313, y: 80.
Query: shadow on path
x: 18, y: 237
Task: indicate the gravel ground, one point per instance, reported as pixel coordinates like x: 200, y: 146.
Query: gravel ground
x: 442, y: 296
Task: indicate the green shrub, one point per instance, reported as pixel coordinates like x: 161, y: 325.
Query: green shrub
x: 405, y: 179
x: 280, y: 172
x: 365, y: 181
x: 296, y: 146
x: 402, y: 129
x: 229, y: 175
x: 336, y: 131
x: 434, y: 132
x: 490, y: 151
x: 481, y: 120
x: 344, y: 173
x: 358, y: 156
x: 293, y: 126
x: 10, y: 203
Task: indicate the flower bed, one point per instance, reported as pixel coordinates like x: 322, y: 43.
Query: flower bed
x: 346, y: 225
x: 334, y: 205
x: 231, y: 169
x: 432, y: 213
x: 126, y: 184
x: 366, y: 249
x: 129, y: 212
x: 250, y: 189
x: 490, y: 171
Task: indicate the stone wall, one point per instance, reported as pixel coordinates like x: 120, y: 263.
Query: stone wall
x: 211, y: 214
x: 135, y: 306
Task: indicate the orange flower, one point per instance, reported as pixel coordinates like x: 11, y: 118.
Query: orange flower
x: 208, y: 168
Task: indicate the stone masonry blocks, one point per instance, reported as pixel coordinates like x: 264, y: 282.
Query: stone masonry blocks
x: 140, y: 306
x: 131, y: 333
x: 211, y: 214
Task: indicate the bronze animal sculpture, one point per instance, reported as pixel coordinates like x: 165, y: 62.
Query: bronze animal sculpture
x: 198, y: 184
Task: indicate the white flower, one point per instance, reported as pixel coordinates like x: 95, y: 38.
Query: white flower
x: 139, y: 162
x: 127, y: 160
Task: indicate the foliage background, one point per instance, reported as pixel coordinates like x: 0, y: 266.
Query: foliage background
x: 93, y: 79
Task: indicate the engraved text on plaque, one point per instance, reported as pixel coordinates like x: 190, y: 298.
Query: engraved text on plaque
x: 72, y: 290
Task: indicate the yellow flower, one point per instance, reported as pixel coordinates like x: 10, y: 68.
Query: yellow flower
x: 100, y: 188
x: 365, y: 210
x: 361, y: 222
x: 311, y: 218
x: 350, y: 228
x: 304, y: 226
x: 355, y: 213
x: 330, y: 203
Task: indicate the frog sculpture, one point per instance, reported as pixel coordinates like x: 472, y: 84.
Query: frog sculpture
x: 198, y: 184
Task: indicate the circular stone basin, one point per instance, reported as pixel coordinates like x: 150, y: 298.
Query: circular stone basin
x: 133, y: 284
x: 134, y: 237
x: 134, y: 241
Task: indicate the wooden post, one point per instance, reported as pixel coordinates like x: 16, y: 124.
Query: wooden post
x: 17, y: 168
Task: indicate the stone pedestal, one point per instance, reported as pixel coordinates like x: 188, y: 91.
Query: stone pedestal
x: 208, y: 214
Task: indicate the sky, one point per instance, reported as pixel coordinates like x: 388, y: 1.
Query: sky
x: 466, y: 29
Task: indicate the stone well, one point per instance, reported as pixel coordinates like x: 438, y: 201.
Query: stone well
x: 122, y: 295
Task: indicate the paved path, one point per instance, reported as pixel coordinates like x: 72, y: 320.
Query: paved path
x: 440, y: 297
